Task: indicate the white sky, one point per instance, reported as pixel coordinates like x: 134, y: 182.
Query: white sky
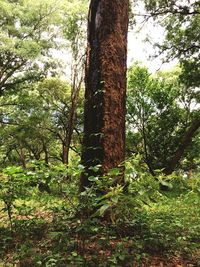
x: 143, y: 51
x: 138, y: 49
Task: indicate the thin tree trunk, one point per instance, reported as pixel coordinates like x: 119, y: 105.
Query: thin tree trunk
x: 65, y: 154
x: 22, y: 157
x: 145, y: 146
x: 185, y: 142
x: 71, y: 119
x: 46, y: 154
x: 104, y: 113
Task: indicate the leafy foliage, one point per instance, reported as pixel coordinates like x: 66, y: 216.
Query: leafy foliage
x: 159, y: 113
x: 27, y: 35
x: 122, y: 227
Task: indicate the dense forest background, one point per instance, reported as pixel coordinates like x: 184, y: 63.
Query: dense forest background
x: 153, y: 217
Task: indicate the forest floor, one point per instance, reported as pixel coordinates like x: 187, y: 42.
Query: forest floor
x: 48, y: 230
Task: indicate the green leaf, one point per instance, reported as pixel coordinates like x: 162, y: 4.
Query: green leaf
x: 165, y: 183
x: 103, y: 209
x: 114, y: 172
x: 93, y: 178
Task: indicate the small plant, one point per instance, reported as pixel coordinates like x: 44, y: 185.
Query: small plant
x: 13, y: 186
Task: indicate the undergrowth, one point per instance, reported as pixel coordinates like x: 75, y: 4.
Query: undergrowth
x: 45, y: 222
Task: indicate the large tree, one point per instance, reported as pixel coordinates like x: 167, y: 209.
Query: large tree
x: 104, y: 115
x: 27, y: 34
x: 180, y: 21
x: 163, y: 123
x: 33, y: 36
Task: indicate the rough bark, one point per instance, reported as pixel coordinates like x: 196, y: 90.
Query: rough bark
x: 105, y: 81
x: 185, y: 142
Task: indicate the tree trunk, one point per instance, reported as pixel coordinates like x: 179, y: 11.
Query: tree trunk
x: 65, y: 154
x: 185, y: 142
x: 105, y: 81
x: 21, y: 157
x: 76, y: 87
x: 148, y: 162
x: 46, y: 153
